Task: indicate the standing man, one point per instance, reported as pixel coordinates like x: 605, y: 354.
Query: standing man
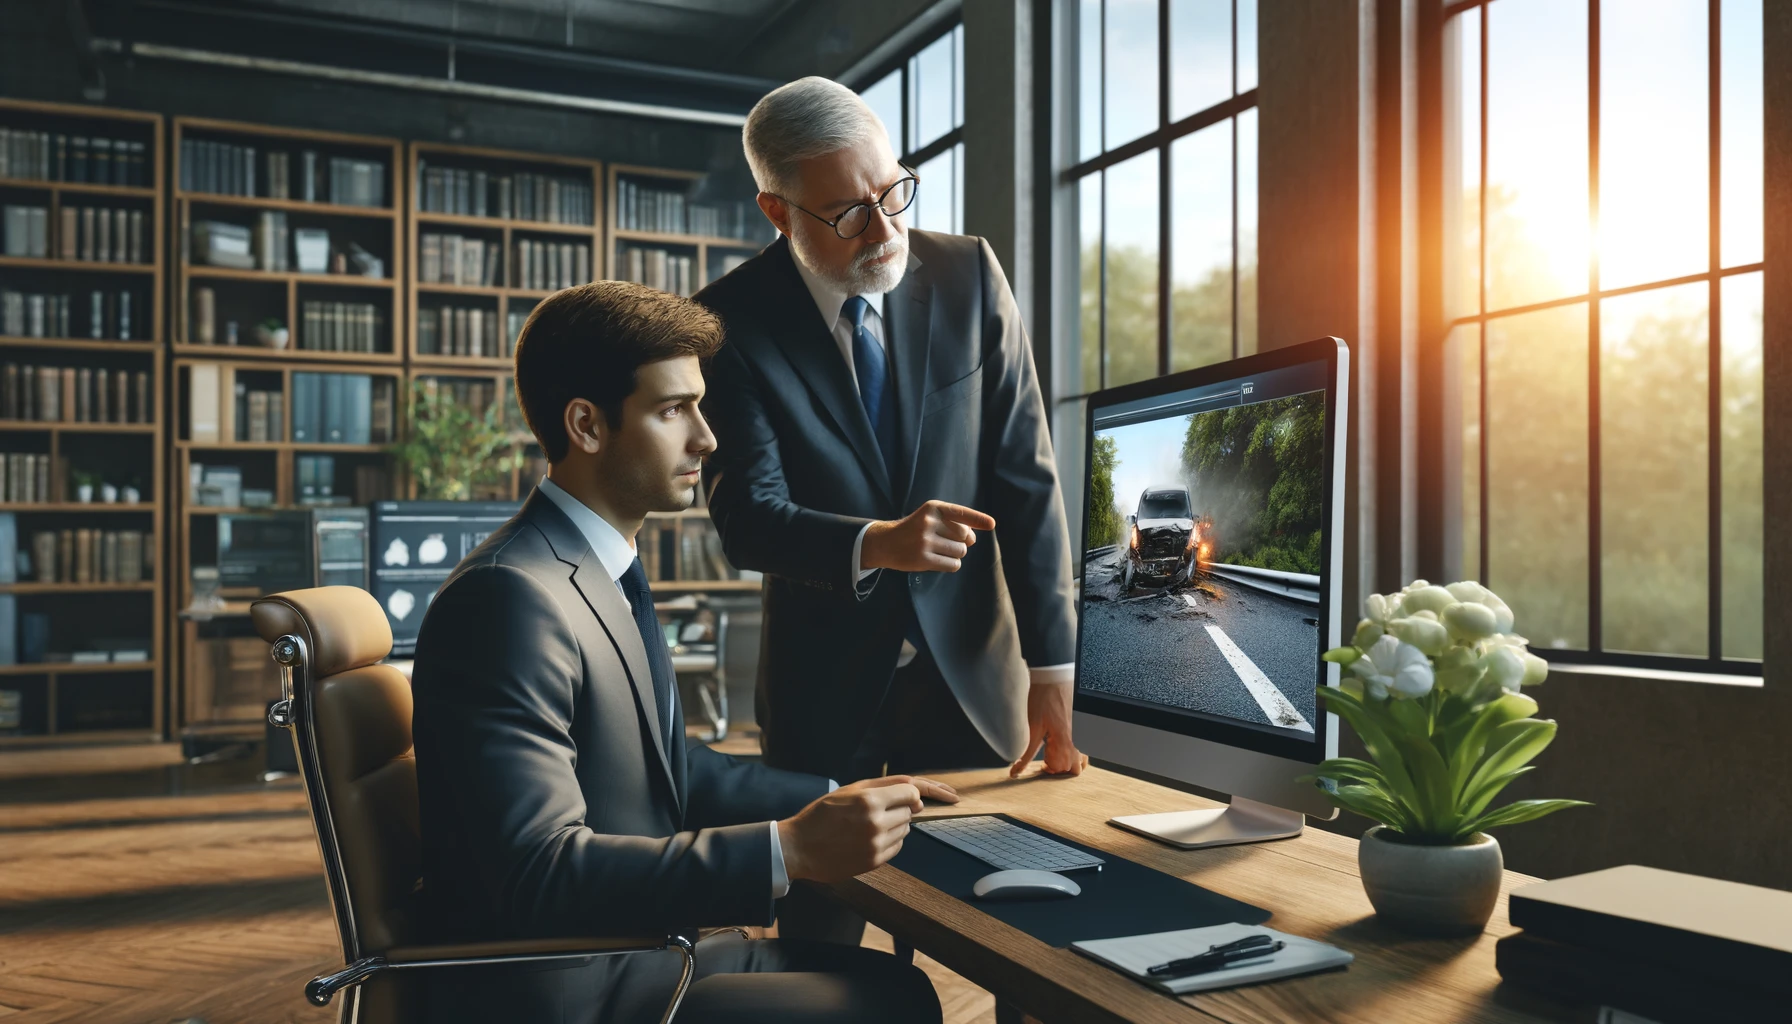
x: 884, y: 460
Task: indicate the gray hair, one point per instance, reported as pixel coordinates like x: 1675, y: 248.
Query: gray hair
x: 807, y: 118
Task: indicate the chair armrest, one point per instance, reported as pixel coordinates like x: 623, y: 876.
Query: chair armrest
x: 322, y: 989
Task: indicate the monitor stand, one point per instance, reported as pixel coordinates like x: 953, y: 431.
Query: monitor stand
x: 1243, y: 821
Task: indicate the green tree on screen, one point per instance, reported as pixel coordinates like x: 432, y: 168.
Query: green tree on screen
x: 1104, y: 515
x: 1258, y: 470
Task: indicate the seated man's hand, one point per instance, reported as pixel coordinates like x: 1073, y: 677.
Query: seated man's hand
x: 855, y: 828
x: 932, y: 538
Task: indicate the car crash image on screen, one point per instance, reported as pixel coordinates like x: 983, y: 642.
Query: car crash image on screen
x: 1201, y: 578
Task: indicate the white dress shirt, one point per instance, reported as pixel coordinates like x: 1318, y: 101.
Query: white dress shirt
x: 830, y: 300
x: 617, y: 553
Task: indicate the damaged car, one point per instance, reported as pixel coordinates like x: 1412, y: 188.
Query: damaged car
x: 1165, y: 541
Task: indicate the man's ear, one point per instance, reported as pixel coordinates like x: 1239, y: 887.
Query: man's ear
x: 775, y: 211
x: 585, y: 426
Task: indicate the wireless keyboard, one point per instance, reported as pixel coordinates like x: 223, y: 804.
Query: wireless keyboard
x: 1006, y: 846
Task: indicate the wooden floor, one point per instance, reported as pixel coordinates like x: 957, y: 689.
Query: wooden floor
x: 154, y: 908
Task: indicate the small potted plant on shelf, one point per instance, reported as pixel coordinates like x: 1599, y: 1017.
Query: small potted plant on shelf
x: 450, y: 450
x: 84, y: 483
x: 271, y: 333
x: 1433, y: 685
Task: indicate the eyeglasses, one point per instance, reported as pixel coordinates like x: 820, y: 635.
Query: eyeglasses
x: 853, y: 222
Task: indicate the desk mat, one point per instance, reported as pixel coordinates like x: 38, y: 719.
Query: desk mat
x: 1123, y: 898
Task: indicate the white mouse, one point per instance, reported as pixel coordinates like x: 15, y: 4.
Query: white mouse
x: 1025, y: 885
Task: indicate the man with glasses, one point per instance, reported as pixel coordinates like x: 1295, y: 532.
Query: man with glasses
x: 883, y: 458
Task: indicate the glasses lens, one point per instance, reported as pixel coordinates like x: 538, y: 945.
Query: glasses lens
x: 900, y: 195
x: 853, y: 222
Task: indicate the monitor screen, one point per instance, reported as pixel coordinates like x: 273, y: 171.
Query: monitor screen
x: 415, y: 546
x: 1206, y: 554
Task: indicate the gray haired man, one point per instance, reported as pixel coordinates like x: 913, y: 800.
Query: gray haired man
x: 884, y: 460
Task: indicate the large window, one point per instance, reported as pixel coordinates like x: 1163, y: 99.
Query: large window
x: 1603, y: 209
x: 1164, y: 188
x: 921, y: 103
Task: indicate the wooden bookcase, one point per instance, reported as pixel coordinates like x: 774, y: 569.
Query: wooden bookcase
x: 509, y: 296
x: 637, y: 225
x: 226, y: 678
x: 62, y: 701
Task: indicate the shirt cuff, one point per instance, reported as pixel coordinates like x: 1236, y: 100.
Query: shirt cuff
x: 859, y: 572
x: 1052, y: 675
x: 780, y: 879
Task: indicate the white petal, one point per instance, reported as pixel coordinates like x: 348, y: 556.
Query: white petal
x: 1413, y: 680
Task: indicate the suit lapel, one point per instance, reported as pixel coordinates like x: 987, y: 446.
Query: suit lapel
x: 614, y: 615
x: 909, y: 332
x: 809, y: 345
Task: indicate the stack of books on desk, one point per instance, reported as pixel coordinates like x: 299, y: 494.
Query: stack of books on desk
x: 1662, y: 945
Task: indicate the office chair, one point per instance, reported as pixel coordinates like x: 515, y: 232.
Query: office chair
x: 350, y: 718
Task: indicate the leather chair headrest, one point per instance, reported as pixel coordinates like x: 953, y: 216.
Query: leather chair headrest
x: 344, y: 627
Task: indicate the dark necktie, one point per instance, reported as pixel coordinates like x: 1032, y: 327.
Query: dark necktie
x: 871, y: 365
x: 659, y: 659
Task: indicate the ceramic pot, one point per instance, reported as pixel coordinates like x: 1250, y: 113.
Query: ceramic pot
x: 108, y: 494
x: 1431, y: 890
x: 276, y: 338
x: 84, y: 493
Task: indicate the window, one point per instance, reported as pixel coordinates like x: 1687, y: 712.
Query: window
x: 1165, y: 198
x: 1603, y: 206
x: 921, y: 103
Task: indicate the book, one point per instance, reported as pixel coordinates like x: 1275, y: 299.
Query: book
x: 1661, y: 990
x: 1134, y: 955
x: 203, y: 420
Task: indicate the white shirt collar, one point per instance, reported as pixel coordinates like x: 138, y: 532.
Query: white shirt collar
x: 612, y: 548
x: 829, y: 298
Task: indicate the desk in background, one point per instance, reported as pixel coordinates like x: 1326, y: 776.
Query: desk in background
x: 1309, y: 882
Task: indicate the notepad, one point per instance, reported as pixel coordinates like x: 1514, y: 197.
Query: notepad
x: 1136, y: 954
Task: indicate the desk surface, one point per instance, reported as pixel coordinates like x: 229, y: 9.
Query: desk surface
x: 1309, y: 882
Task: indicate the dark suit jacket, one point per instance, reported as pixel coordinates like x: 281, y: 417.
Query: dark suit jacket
x: 797, y: 474
x: 551, y: 802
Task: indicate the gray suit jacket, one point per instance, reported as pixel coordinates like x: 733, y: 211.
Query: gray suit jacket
x: 551, y: 802
x: 798, y: 473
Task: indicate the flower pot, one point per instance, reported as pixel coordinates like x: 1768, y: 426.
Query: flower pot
x: 84, y: 493
x: 276, y: 338
x: 108, y: 494
x: 1431, y: 890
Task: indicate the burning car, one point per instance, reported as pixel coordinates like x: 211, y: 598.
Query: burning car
x: 1165, y: 540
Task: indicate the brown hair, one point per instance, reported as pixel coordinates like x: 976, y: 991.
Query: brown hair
x: 588, y: 341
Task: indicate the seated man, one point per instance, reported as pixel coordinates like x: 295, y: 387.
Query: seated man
x: 558, y: 796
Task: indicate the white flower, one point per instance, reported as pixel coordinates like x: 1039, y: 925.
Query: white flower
x: 1426, y: 599
x: 1427, y: 634
x: 1469, y: 621
x: 1506, y: 667
x: 1470, y: 592
x: 1535, y: 670
x: 1381, y: 608
x: 1393, y: 666
x: 1367, y: 632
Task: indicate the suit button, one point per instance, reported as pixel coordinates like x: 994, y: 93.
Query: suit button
x: 916, y: 579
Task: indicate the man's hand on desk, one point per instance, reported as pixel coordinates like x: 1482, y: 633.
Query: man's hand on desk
x: 855, y: 828
x: 1048, y: 722
x: 932, y: 538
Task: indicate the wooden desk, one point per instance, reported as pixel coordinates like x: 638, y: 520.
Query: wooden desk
x: 1309, y: 882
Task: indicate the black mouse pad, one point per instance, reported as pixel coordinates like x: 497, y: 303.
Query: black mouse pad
x: 1121, y: 899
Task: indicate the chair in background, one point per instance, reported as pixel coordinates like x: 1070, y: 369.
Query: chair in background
x: 350, y: 718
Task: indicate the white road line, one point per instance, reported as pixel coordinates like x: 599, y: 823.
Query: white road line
x: 1190, y: 599
x: 1269, y: 697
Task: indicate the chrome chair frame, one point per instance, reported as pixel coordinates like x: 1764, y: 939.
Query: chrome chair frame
x: 294, y: 711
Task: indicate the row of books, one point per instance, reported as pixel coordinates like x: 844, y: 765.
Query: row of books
x: 106, y: 315
x: 32, y: 478
x: 658, y: 268
x: 463, y: 331
x: 475, y: 395
x: 316, y: 483
x: 326, y: 408
x: 457, y: 259
x: 683, y: 548
x: 67, y: 394
x: 640, y: 208
x: 212, y: 486
x: 91, y: 556
x: 341, y: 327
x: 90, y: 234
x: 224, y: 168
x: 476, y: 193
x: 550, y: 266
x: 54, y: 156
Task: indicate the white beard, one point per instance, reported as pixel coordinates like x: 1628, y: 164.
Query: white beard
x: 863, y: 277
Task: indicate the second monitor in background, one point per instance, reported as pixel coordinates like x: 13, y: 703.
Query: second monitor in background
x: 1210, y: 587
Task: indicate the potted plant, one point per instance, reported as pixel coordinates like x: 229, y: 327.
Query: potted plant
x: 84, y: 482
x: 271, y: 333
x: 1434, y: 681
x: 451, y: 450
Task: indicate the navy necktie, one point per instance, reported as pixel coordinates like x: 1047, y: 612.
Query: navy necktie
x: 871, y: 365
x: 659, y: 659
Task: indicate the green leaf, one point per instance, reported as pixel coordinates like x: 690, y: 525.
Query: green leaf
x: 1349, y: 768
x: 1513, y: 744
x: 1517, y: 813
x: 1476, y: 801
x: 1367, y: 721
x: 1436, y: 804
x: 1372, y: 804
x: 1341, y: 655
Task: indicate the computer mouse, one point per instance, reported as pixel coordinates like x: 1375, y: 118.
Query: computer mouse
x: 1025, y: 885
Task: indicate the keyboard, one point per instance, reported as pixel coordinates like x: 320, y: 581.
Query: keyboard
x: 1006, y: 846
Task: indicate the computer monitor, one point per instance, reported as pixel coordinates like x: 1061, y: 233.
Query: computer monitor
x: 415, y: 546
x: 1210, y: 586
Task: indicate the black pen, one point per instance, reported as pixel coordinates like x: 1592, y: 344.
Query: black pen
x: 1217, y: 957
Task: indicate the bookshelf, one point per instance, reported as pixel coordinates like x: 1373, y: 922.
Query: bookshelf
x: 81, y: 285
x: 661, y: 211
x: 492, y: 233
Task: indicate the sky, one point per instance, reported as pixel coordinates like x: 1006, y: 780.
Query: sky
x: 1150, y: 455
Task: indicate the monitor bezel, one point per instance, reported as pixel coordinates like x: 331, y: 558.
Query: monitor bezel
x: 1246, y: 736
